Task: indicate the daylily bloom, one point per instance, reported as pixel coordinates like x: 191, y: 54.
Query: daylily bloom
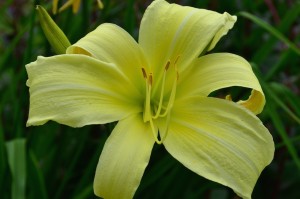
x: 74, y: 3
x: 159, y: 91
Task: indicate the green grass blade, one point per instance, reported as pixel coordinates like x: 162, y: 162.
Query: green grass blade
x: 85, y: 192
x: 36, y: 181
x: 293, y: 140
x: 130, y: 18
x: 70, y: 170
x: 6, y: 56
x: 281, y: 104
x: 2, y: 156
x: 291, y: 99
x: 277, y: 121
x: 273, y: 31
x: 285, y: 25
x: 275, y: 117
x: 278, y: 65
x: 271, y: 94
x: 159, y: 169
x: 89, y: 171
x: 17, y: 163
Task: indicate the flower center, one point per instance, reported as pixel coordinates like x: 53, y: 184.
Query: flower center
x: 154, y: 110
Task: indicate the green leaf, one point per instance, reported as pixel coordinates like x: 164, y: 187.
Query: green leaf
x: 282, y: 60
x: 36, y: 180
x: 85, y: 192
x: 2, y: 156
x: 289, y: 100
x: 285, y: 24
x: 273, y: 31
x: 280, y: 103
x: 5, y: 58
x: 277, y: 121
x: 17, y: 162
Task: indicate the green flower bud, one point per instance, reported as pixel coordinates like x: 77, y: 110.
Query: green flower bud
x: 53, y: 33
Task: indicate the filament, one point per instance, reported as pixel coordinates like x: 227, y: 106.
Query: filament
x: 148, y: 115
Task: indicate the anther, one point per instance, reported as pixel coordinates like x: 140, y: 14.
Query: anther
x: 167, y: 65
x: 144, y: 73
x: 150, y: 79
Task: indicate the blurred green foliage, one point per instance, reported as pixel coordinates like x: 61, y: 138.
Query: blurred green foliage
x: 55, y: 161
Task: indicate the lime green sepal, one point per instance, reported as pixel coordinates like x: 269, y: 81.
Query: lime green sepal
x: 54, y: 34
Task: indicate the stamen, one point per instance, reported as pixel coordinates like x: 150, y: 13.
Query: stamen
x: 171, y: 99
x: 162, y: 91
x: 154, y: 132
x: 167, y: 65
x: 172, y: 95
x: 144, y: 73
x: 161, y: 95
x: 175, y: 66
x: 176, y: 59
x: 149, y: 115
x: 167, y: 129
x: 147, y: 112
x: 150, y: 79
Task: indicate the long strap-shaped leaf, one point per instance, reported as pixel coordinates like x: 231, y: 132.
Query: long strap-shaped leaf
x: 282, y: 133
x: 17, y: 162
x: 271, y: 30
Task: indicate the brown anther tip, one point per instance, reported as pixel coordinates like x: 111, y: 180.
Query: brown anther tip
x: 167, y: 65
x: 144, y: 73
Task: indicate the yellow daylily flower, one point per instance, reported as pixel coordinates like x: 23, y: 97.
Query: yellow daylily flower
x: 158, y: 89
x: 74, y: 3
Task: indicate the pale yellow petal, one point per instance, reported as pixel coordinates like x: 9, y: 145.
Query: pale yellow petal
x: 221, y: 70
x: 220, y: 141
x: 124, y: 158
x: 170, y: 32
x: 110, y: 43
x: 77, y: 90
x: 223, y: 30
